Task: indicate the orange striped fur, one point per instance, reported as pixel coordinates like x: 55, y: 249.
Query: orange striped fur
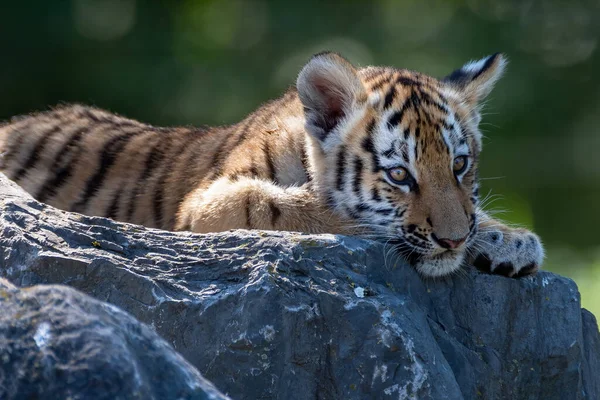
x: 373, y: 151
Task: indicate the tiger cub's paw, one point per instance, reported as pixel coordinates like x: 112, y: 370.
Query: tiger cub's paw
x: 507, y: 251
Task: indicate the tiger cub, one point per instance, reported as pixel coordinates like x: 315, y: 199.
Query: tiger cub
x: 376, y: 151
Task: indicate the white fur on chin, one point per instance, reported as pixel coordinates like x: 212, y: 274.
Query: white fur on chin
x: 442, y: 266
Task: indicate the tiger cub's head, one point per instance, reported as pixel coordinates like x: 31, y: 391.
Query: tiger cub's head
x: 396, y: 152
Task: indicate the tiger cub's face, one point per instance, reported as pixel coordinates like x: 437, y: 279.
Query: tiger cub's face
x: 396, y: 152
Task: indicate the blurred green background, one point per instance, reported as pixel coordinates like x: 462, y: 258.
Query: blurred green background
x: 212, y: 62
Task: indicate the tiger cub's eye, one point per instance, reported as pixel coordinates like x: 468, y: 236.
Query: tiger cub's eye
x: 398, y: 175
x: 460, y: 164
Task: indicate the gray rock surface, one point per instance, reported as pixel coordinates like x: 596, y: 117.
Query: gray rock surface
x: 274, y: 315
x: 57, y: 343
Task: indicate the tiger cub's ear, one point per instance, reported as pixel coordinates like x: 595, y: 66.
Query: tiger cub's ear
x: 476, y: 79
x: 328, y: 87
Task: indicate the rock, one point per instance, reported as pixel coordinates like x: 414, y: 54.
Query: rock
x: 279, y: 315
x: 57, y: 343
x: 591, y: 358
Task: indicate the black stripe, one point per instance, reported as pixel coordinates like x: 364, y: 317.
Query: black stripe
x: 421, y: 109
x: 341, y: 167
x: 368, y: 145
x: 34, y: 156
x: 462, y: 77
x: 389, y: 97
x: 110, y: 151
x: 112, y: 119
x: 415, y: 101
x: 113, y: 209
x: 87, y: 112
x: 62, y: 167
x: 458, y: 77
x: 429, y: 100
x: 380, y: 84
x: 488, y: 63
x: 361, y: 207
x: 391, y: 152
x: 373, y: 75
x: 406, y: 81
x: 447, y: 126
x: 238, y: 136
x: 253, y: 169
x: 233, y: 176
x: 375, y: 195
x: 358, y: 171
x: 155, y: 156
x: 420, y: 236
x: 275, y: 213
x: 15, y: 147
x: 414, y: 187
x: 304, y: 160
x: 160, y: 188
x: 243, y: 134
x: 158, y: 195
x: 442, y: 98
x: 218, y: 158
x: 195, y: 147
x: 396, y: 117
x: 272, y: 174
x: 404, y: 152
x: 416, y: 242
x: 384, y: 211
x: 416, y: 149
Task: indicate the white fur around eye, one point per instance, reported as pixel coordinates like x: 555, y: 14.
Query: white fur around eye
x: 462, y: 150
x: 374, y: 99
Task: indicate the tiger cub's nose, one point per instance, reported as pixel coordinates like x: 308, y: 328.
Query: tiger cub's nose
x: 448, y: 243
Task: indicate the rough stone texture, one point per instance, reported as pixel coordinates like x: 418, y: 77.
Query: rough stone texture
x: 288, y: 316
x: 57, y: 343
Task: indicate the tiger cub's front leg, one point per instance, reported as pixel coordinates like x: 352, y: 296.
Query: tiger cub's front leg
x: 500, y: 249
x: 248, y: 203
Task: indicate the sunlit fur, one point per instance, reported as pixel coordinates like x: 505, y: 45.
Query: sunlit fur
x: 314, y: 160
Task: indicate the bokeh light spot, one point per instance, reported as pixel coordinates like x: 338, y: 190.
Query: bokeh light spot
x: 104, y: 19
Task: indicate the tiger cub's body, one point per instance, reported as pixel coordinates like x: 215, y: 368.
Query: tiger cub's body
x: 373, y: 151
x: 89, y: 161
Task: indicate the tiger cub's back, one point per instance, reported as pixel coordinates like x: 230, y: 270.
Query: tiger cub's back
x: 89, y: 161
